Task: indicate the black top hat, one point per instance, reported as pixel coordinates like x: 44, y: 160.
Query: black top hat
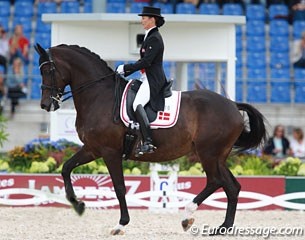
x: 151, y: 12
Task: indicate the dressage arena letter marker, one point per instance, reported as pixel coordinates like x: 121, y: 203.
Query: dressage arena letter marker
x: 163, y: 185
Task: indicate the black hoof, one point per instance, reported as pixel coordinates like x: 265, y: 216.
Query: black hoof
x: 79, y: 207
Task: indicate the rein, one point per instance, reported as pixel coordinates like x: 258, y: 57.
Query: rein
x: 117, y: 94
x: 83, y: 87
x: 117, y: 99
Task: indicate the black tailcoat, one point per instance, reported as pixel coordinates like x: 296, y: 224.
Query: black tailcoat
x: 151, y: 61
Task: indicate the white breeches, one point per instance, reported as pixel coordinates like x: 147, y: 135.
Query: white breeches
x: 143, y: 95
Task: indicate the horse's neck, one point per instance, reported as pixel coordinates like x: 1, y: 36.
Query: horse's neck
x: 85, y: 71
x: 100, y: 95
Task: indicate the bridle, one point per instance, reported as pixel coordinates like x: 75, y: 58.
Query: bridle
x: 56, y: 92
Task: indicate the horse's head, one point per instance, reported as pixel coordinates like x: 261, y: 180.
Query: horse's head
x: 52, y: 83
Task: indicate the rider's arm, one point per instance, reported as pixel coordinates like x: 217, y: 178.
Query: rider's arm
x: 151, y: 51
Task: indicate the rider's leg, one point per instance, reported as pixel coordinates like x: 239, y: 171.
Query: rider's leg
x: 141, y: 99
x: 143, y: 94
x: 147, y: 146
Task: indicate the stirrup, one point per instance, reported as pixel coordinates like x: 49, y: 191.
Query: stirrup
x: 146, y: 147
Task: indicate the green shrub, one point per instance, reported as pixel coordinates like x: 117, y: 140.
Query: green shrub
x: 288, y: 167
x: 257, y: 166
x: 301, y: 171
x: 3, y: 133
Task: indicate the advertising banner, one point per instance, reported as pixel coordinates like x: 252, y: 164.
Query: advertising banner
x: 263, y: 193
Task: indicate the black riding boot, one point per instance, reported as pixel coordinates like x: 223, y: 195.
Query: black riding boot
x: 147, y: 146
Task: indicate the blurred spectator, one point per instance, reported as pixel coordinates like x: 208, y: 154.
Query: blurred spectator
x: 15, y: 83
x: 19, y: 45
x: 4, y: 48
x: 278, y: 145
x: 298, y: 57
x: 1, y: 92
x: 297, y: 8
x: 1, y: 85
x: 297, y: 143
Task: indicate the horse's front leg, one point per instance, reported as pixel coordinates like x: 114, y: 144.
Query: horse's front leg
x: 80, y: 158
x: 115, y: 167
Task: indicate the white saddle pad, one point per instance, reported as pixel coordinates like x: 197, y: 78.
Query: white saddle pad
x: 165, y: 119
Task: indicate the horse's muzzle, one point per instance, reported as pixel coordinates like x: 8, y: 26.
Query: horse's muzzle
x: 46, y: 107
x: 52, y: 106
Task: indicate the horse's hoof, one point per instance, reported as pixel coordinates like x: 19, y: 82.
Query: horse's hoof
x: 117, y: 231
x: 187, y: 223
x: 79, y: 207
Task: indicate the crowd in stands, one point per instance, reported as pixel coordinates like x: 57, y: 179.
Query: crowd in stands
x: 20, y: 27
x: 14, y: 54
x: 279, y: 146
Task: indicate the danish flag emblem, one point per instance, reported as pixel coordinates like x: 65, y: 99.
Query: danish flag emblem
x: 164, y: 116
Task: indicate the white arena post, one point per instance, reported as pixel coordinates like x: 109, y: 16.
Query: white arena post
x: 163, y: 185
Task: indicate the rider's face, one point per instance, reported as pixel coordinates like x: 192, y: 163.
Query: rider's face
x: 148, y: 22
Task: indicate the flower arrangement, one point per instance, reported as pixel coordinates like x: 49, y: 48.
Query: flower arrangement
x: 45, y: 156
x: 40, y: 156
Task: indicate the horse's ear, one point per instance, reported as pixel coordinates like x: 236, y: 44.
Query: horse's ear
x: 39, y: 49
x: 36, y: 48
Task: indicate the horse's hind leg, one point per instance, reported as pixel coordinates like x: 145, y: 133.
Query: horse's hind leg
x: 231, y: 187
x: 80, y: 158
x: 218, y: 175
x: 213, y: 183
x: 191, y: 207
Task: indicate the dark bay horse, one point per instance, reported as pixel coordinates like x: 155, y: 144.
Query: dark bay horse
x: 209, y: 126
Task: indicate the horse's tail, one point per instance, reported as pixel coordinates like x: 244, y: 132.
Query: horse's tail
x: 256, y: 134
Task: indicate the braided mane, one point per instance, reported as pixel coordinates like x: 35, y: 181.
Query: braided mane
x: 85, y: 51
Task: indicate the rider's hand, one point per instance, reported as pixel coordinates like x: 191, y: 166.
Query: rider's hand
x: 120, y: 69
